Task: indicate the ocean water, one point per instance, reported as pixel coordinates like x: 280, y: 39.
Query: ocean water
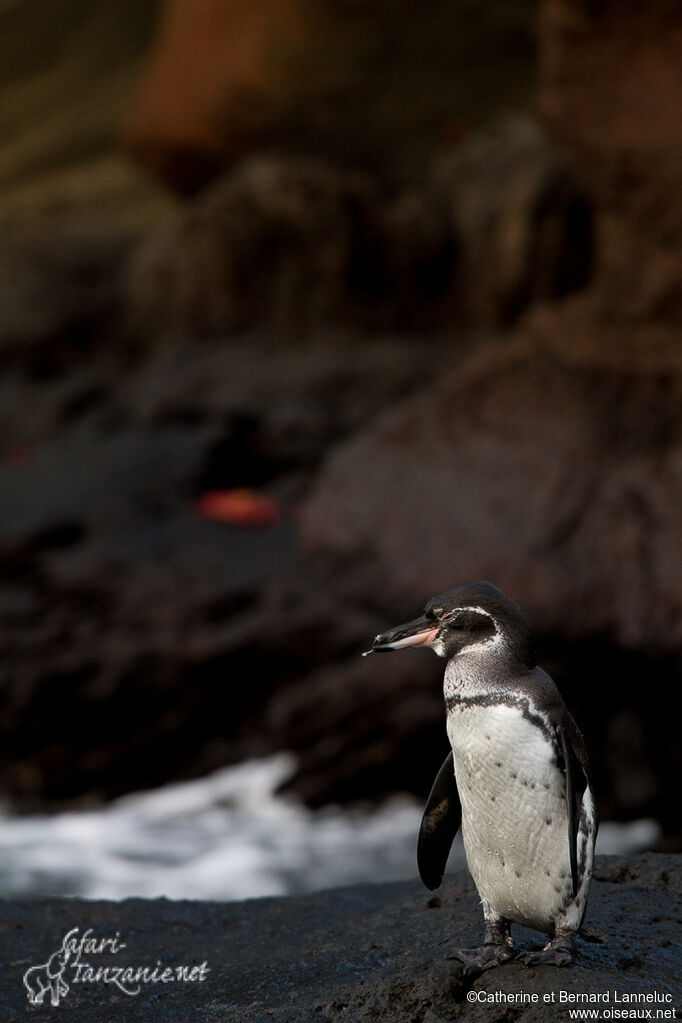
x: 227, y: 836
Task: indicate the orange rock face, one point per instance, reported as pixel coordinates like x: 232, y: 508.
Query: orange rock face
x: 210, y: 84
x: 379, y: 83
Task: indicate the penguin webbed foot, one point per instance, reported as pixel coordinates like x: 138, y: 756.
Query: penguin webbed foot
x: 478, y: 960
x: 497, y: 948
x: 557, y: 952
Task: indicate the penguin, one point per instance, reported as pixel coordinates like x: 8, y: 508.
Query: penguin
x: 516, y: 780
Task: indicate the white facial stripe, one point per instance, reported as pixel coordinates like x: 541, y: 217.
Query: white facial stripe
x: 478, y: 610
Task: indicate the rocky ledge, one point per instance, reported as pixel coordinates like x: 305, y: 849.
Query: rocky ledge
x: 368, y: 953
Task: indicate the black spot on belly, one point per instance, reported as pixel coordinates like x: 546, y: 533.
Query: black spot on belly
x: 513, y: 774
x: 488, y: 738
x: 532, y: 784
x: 493, y: 798
x: 518, y: 873
x: 548, y: 821
x: 547, y: 873
x: 525, y: 784
x: 498, y: 763
x: 557, y: 889
x: 547, y: 787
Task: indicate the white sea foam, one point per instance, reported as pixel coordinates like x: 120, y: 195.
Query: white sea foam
x: 226, y: 836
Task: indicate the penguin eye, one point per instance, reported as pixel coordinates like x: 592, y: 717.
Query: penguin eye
x: 432, y: 614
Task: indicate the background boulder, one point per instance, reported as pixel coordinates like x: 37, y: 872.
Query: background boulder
x: 579, y: 459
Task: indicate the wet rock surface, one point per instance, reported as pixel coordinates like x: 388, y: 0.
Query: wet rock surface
x: 369, y: 953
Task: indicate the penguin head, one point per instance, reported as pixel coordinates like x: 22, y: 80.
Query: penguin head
x: 473, y: 617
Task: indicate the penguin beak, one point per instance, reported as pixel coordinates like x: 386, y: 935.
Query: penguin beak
x: 419, y: 632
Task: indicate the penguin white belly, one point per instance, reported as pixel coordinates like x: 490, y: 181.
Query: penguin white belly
x: 514, y: 815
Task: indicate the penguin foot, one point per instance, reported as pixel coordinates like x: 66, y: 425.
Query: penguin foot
x: 496, y: 949
x: 545, y: 957
x: 557, y: 952
x: 478, y: 960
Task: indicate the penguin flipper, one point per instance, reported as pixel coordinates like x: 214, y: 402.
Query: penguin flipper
x: 575, y: 768
x: 440, y: 823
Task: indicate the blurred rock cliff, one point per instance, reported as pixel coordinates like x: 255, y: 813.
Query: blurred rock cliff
x: 414, y: 276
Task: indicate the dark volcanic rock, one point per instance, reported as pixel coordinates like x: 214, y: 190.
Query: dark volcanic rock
x: 369, y: 953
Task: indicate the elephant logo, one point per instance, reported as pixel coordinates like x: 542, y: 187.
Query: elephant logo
x: 49, y: 976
